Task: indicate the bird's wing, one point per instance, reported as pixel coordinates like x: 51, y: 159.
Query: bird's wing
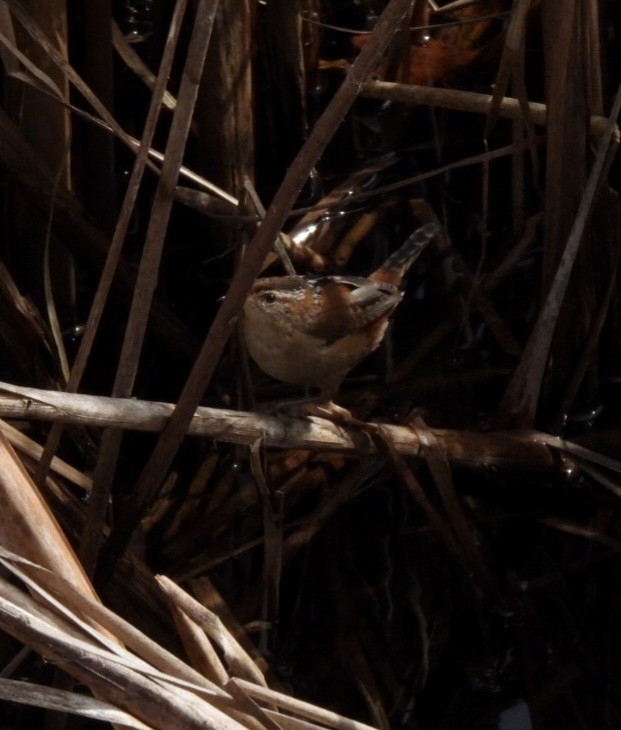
x: 364, y: 302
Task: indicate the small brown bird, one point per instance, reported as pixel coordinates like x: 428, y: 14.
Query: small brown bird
x: 312, y: 330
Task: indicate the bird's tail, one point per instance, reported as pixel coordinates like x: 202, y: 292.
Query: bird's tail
x: 395, y: 266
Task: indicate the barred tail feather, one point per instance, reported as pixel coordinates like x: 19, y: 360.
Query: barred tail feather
x: 400, y: 261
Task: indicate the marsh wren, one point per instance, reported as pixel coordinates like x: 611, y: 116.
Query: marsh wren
x: 312, y: 330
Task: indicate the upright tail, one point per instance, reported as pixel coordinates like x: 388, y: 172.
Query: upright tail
x: 395, y: 266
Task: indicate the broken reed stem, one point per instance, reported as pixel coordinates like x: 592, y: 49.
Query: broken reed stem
x: 466, y: 101
x: 52, y: 617
x: 108, y: 621
x: 299, y: 707
x: 238, y: 661
x: 120, y: 685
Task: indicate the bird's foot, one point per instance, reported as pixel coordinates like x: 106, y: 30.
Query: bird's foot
x: 330, y: 411
x: 320, y: 408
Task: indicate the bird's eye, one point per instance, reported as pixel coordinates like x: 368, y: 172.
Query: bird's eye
x: 269, y: 297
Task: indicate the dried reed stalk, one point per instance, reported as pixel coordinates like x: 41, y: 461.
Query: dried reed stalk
x: 523, y: 450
